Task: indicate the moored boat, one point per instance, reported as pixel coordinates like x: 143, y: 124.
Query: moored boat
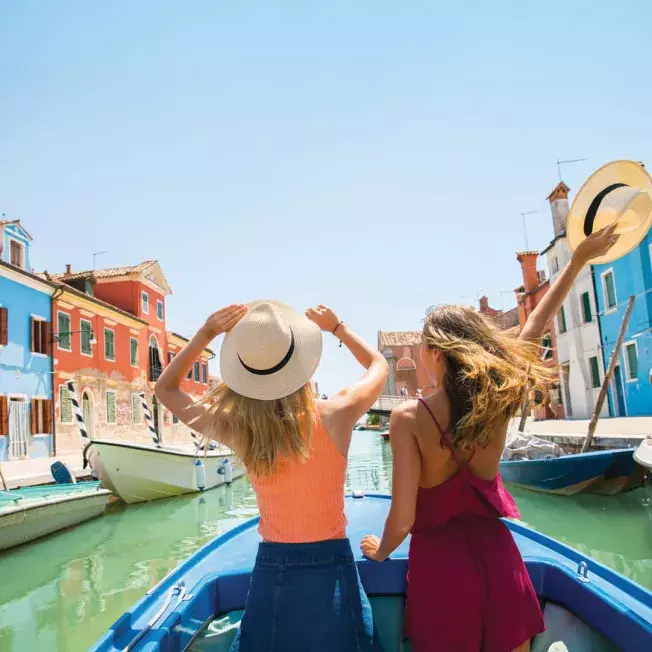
x: 32, y: 512
x: 199, y: 605
x: 140, y: 472
x: 605, y: 472
x: 643, y: 454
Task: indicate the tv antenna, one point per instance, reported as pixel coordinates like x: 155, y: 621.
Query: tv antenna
x: 560, y: 163
x: 523, y: 216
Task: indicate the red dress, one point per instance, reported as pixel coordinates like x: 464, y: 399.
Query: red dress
x: 468, y: 588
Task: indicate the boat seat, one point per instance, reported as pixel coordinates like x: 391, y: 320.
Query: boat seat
x: 388, y: 617
x: 565, y: 632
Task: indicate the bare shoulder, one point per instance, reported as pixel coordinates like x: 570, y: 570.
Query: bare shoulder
x: 404, y: 416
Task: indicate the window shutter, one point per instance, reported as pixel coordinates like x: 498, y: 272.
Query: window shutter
x: 34, y: 333
x: 4, y: 415
x: 4, y: 326
x: 33, y: 414
x: 48, y: 337
x: 48, y: 417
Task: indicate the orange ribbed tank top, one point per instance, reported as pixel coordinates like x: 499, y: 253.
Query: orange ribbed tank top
x: 303, y: 501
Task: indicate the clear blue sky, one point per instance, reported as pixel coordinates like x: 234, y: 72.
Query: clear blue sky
x: 371, y: 155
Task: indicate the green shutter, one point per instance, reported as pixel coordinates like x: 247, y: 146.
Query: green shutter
x: 109, y: 344
x: 110, y: 407
x: 135, y: 408
x: 134, y: 352
x: 595, y: 372
x: 586, y: 307
x: 65, y: 405
x: 86, y: 337
x: 632, y: 361
x: 562, y: 320
x: 610, y: 290
x: 63, y: 326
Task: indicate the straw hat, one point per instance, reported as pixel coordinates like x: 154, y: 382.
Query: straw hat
x: 272, y: 351
x: 618, y: 192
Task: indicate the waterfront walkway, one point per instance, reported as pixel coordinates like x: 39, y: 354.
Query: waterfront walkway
x: 35, y: 471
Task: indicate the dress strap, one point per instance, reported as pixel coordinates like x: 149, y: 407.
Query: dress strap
x: 445, y: 434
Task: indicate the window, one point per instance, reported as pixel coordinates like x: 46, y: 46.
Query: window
x: 41, y: 416
x: 159, y: 310
x: 554, y: 264
x: 189, y: 376
x: 86, y: 334
x: 109, y: 344
x: 4, y: 326
x: 135, y: 409
x: 63, y: 331
x: 204, y: 374
x: 41, y: 336
x: 170, y: 356
x: 631, y: 359
x: 196, y: 368
x: 145, y: 302
x: 609, y: 289
x: 595, y: 372
x: 65, y: 405
x: 111, y: 415
x: 17, y: 254
x: 561, y: 320
x: 586, y: 308
x: 546, y: 346
x: 133, y: 345
x: 175, y: 418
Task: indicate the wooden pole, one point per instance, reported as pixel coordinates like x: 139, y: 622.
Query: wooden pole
x: 524, y: 412
x: 4, y: 482
x: 607, y: 377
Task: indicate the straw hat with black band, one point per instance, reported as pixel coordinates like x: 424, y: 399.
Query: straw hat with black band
x: 619, y: 192
x: 272, y: 352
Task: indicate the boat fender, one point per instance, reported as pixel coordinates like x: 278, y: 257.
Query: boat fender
x: 228, y: 471
x: 200, y: 475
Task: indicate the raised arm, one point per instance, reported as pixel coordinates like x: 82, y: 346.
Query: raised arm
x: 168, y: 386
x: 595, y: 245
x: 348, y: 405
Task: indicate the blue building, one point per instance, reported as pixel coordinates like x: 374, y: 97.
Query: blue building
x: 631, y: 386
x: 26, y: 423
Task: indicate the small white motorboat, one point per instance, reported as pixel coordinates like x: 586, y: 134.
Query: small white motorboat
x: 141, y: 472
x: 643, y: 454
x: 33, y: 512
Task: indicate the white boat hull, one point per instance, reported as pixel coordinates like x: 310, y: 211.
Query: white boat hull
x: 32, y: 519
x: 643, y: 453
x: 138, y: 473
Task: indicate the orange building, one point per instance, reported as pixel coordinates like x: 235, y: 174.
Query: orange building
x: 528, y: 295
x: 402, y: 352
x: 110, y: 338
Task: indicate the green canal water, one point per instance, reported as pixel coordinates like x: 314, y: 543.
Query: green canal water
x: 62, y: 592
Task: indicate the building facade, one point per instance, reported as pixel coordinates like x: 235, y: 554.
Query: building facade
x: 576, y: 327
x: 402, y: 350
x: 630, y: 391
x: 26, y: 425
x: 111, y: 341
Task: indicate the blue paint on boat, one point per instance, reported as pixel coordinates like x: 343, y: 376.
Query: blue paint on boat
x: 568, y: 473
x: 215, y: 580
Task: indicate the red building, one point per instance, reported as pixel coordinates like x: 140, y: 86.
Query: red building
x: 111, y: 340
x: 528, y: 295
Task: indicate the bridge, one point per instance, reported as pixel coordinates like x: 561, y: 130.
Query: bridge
x: 385, y: 404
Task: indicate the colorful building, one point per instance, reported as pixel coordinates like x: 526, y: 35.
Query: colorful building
x: 402, y: 352
x: 26, y: 425
x: 576, y: 327
x: 111, y: 340
x: 528, y: 296
x: 631, y: 384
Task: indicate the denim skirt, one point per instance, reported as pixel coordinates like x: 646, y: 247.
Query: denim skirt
x: 306, y: 597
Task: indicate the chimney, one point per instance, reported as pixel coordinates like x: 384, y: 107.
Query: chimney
x: 484, y: 304
x: 528, y: 260
x: 558, y: 199
x: 68, y: 269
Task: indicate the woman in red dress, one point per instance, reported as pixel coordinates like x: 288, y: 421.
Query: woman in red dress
x: 468, y: 588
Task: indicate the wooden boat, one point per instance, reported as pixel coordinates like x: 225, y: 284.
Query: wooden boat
x: 605, y: 472
x: 199, y: 605
x: 384, y: 433
x: 32, y: 512
x: 643, y: 454
x: 139, y: 472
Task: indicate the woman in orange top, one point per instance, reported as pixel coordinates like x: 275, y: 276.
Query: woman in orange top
x: 305, y: 592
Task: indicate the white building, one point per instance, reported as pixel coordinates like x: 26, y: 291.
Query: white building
x: 577, y: 328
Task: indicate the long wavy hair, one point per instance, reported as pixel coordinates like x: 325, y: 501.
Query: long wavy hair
x: 488, y: 371
x: 265, y: 431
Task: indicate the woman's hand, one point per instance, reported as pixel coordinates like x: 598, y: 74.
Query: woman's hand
x: 224, y: 320
x: 369, y: 547
x: 597, y: 244
x: 324, y: 317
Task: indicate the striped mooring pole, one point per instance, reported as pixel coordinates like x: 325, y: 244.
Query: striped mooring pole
x: 76, y: 408
x: 148, y: 418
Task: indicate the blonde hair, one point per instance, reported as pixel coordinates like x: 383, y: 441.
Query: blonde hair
x: 265, y: 431
x: 488, y: 372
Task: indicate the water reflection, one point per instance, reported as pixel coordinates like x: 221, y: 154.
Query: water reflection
x: 62, y: 592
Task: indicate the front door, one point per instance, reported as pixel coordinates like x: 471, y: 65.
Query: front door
x: 621, y: 410
x: 18, y: 441
x: 87, y: 412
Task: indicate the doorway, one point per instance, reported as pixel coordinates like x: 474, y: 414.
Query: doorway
x: 87, y: 413
x: 18, y: 439
x: 621, y: 409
